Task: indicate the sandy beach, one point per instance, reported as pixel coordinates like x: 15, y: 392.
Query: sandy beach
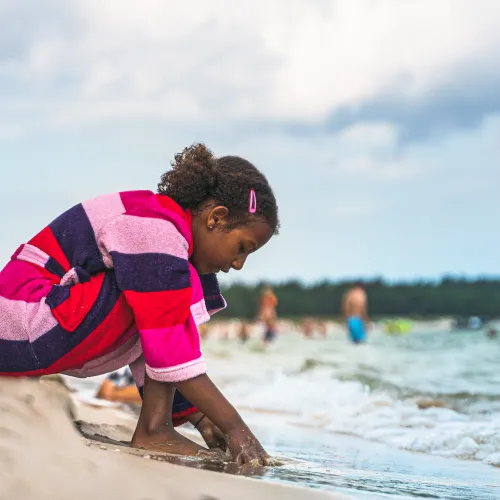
x: 43, y: 455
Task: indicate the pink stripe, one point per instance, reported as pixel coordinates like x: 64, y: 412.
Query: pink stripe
x: 70, y: 278
x: 120, y: 357
x: 25, y: 321
x: 22, y: 281
x: 133, y: 199
x: 178, y: 373
x: 102, y: 209
x: 145, y: 204
x: 107, y: 259
x: 39, y: 319
x: 135, y: 235
x: 172, y: 346
x: 13, y: 314
x: 32, y: 254
x: 180, y: 224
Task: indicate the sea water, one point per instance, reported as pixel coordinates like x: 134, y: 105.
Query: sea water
x: 401, y: 416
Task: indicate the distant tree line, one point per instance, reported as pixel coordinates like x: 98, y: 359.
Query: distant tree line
x: 450, y: 296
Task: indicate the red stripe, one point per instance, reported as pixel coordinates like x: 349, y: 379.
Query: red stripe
x: 160, y: 309
x: 169, y: 204
x: 82, y: 296
x: 47, y: 242
x: 184, y: 413
x: 102, y: 339
x: 180, y: 417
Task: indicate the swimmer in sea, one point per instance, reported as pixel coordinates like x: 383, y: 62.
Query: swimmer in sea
x: 267, y: 313
x: 244, y: 334
x: 355, y: 312
x: 307, y: 327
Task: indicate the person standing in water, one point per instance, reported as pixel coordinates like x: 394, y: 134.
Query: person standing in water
x: 243, y: 334
x: 355, y: 312
x: 267, y: 313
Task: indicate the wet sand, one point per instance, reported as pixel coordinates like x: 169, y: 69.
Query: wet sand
x: 51, y: 449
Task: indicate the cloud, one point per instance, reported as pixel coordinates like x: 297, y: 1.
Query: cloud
x: 302, y: 66
x: 468, y: 97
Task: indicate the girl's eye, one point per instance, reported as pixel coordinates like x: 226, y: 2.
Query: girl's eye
x: 242, y: 248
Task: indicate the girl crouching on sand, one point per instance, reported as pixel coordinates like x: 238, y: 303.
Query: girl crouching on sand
x: 124, y: 279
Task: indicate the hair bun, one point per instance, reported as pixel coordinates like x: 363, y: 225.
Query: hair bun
x: 193, y: 176
x: 205, y: 172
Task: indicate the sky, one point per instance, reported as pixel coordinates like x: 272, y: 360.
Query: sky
x: 377, y: 122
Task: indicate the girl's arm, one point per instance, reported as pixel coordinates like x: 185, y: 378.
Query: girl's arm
x: 243, y: 445
x: 182, y: 409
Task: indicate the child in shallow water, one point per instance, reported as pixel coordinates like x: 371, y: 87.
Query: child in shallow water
x: 124, y: 279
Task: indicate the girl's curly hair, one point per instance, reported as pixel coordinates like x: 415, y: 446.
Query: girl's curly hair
x: 197, y: 176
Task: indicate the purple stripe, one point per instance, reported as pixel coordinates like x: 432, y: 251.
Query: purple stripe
x: 210, y: 285
x: 151, y: 272
x: 83, y: 276
x: 20, y: 356
x: 54, y: 267
x: 215, y: 303
x: 75, y: 235
x: 17, y: 356
x: 211, y: 291
x: 180, y: 403
x: 57, y: 295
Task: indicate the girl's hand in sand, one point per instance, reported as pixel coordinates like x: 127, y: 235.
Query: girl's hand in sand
x: 243, y: 449
x: 241, y: 443
x: 246, y: 449
x: 211, y: 434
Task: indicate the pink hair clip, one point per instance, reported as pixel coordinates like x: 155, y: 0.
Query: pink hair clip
x: 252, y: 203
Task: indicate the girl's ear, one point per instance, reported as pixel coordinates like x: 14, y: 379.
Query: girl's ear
x: 217, y: 217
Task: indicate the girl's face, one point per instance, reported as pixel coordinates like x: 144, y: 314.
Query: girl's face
x: 217, y: 249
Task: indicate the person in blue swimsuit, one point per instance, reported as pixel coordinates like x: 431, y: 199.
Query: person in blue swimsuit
x: 355, y: 312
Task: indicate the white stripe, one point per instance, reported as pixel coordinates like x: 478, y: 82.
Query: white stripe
x: 200, y: 313
x: 102, y: 209
x: 134, y: 235
x: 178, y: 373
x: 25, y: 320
x: 39, y: 319
x: 33, y: 255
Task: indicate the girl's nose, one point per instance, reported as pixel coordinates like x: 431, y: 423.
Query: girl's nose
x: 238, y: 264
